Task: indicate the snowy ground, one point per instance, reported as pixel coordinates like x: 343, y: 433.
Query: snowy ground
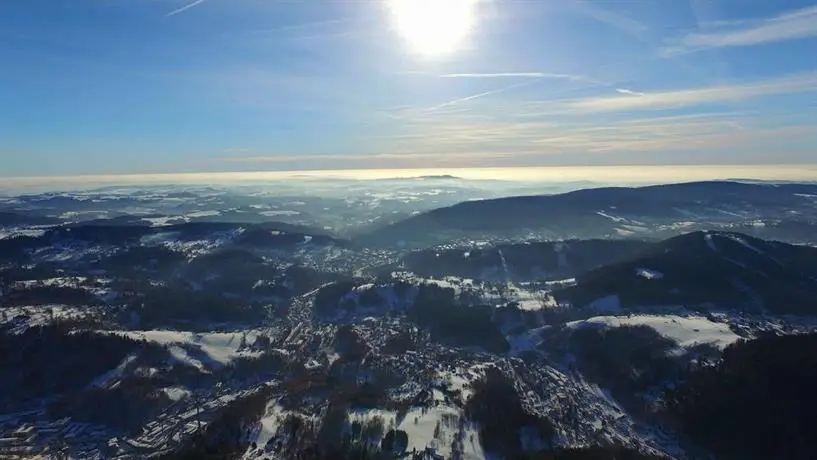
x: 176, y: 393
x: 191, y: 248
x: 685, y: 331
x: 199, y: 214
x: 268, y: 426
x: 421, y: 424
x: 114, y: 373
x: 460, y: 380
x: 21, y: 318
x: 216, y: 348
x: 165, y: 220
x: 8, y: 233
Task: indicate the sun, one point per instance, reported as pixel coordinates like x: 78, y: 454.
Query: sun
x: 434, y: 27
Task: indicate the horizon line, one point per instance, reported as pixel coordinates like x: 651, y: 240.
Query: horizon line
x: 602, y: 174
x: 445, y: 168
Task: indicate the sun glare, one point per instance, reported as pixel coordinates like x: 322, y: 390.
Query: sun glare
x: 434, y: 27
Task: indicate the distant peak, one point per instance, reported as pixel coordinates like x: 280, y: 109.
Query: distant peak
x: 429, y: 177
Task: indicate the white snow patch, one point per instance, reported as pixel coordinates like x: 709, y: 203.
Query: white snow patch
x: 635, y: 228
x: 176, y: 393
x: 531, y: 304
x: 561, y: 283
x: 159, y: 238
x: 8, y: 233
x: 163, y: 221
x: 220, y: 347
x: 279, y: 213
x: 677, y: 225
x: 421, y: 433
x: 459, y: 380
x: 269, y: 424
x: 649, y: 274
x: 196, y: 214
x: 180, y: 354
x: 746, y: 244
x: 113, y: 374
x: 420, y: 424
x: 613, y: 218
x: 363, y: 416
x: 686, y: 331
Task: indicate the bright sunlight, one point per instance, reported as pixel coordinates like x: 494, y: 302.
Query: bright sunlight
x: 434, y: 27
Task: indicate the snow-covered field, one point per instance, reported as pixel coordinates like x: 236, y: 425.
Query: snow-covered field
x: 686, y: 331
x: 171, y: 240
x: 21, y: 318
x: 217, y: 348
x: 7, y: 233
x: 434, y: 427
x: 460, y: 379
x: 525, y: 299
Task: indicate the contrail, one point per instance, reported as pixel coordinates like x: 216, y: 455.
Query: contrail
x: 184, y: 8
x: 480, y: 95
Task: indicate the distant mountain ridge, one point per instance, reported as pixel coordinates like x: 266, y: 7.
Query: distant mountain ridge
x: 604, y: 213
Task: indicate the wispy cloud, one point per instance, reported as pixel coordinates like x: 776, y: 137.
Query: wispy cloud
x: 625, y: 24
x: 616, y: 20
x: 185, y: 8
x: 397, y: 159
x: 629, y: 91
x: 235, y: 150
x: 788, y: 26
x: 516, y: 75
x: 492, y: 144
x: 530, y: 78
x: 699, y: 96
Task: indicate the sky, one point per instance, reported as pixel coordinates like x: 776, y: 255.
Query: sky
x: 182, y: 86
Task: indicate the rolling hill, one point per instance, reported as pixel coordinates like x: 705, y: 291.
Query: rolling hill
x: 655, y: 211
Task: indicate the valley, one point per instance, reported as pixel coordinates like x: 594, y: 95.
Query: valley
x: 589, y: 324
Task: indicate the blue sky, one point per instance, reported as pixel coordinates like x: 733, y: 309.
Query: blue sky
x: 150, y: 86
